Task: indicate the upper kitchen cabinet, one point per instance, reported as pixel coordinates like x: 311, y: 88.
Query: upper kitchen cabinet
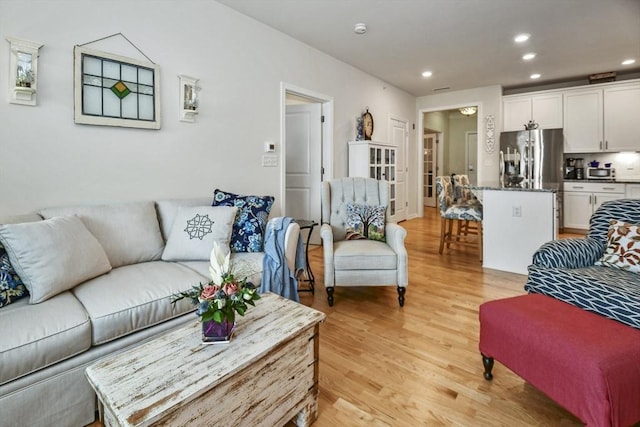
x: 602, y: 119
x: 621, y: 106
x: 545, y: 109
x: 583, y: 128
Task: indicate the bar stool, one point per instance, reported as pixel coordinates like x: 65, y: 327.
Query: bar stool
x: 467, y: 213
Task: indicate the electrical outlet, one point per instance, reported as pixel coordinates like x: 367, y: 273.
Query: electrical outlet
x: 516, y: 211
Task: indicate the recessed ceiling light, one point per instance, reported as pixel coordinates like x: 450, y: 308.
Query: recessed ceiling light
x: 360, y: 28
x: 427, y: 74
x: 528, y: 56
x: 628, y: 61
x: 521, y: 38
x: 535, y: 76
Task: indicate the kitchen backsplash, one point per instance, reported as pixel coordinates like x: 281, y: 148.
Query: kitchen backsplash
x: 627, y: 165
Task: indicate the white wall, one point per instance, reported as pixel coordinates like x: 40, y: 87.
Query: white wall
x: 489, y: 102
x: 46, y: 159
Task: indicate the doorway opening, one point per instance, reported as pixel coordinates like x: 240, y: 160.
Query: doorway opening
x: 446, y: 147
x: 306, y: 135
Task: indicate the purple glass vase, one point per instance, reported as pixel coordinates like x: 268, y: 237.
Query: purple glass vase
x: 213, y: 331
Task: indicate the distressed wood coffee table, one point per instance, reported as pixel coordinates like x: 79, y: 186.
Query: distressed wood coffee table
x: 267, y: 375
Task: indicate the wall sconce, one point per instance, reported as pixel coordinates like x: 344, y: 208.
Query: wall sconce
x: 188, y: 98
x: 23, y: 71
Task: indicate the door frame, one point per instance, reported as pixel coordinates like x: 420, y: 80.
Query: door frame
x: 420, y: 142
x: 466, y: 152
x: 406, y: 157
x: 326, y: 139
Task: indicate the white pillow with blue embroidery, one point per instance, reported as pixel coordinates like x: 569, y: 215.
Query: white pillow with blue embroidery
x: 623, y: 247
x: 195, y: 229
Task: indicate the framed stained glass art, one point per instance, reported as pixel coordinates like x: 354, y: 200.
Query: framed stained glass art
x: 112, y: 90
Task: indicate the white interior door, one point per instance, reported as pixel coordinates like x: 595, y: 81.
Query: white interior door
x: 400, y: 139
x: 430, y: 163
x: 472, y: 157
x: 303, y: 163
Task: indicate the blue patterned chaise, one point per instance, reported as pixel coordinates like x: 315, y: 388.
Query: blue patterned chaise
x: 565, y: 269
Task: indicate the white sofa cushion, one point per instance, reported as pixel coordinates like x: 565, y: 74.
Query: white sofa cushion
x: 128, y: 232
x: 134, y: 297
x: 194, y: 231
x: 41, y: 335
x: 54, y: 255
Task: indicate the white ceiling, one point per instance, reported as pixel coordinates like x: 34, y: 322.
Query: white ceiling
x: 465, y: 43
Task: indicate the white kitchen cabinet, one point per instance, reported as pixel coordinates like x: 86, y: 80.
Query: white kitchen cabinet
x: 375, y: 160
x: 545, y: 109
x: 582, y: 199
x: 583, y: 127
x: 632, y: 191
x: 621, y: 106
x: 602, y: 119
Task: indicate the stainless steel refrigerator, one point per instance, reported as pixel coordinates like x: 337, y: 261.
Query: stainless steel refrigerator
x: 533, y: 158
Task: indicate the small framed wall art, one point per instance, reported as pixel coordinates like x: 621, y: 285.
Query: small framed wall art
x: 189, y: 98
x: 23, y: 71
x: 112, y: 90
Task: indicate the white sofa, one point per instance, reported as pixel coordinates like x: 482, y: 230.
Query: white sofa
x: 46, y: 346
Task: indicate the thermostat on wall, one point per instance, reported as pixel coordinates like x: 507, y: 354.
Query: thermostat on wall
x: 269, y: 147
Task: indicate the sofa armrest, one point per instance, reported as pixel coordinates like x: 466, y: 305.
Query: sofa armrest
x: 569, y: 253
x: 291, y: 250
x: 395, y: 235
x: 326, y: 234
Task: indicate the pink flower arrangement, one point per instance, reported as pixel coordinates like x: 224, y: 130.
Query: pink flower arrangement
x: 224, y: 296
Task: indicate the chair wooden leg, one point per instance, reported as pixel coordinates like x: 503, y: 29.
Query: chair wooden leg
x: 480, y: 235
x: 449, y: 233
x: 460, y: 228
x: 330, y: 295
x: 442, y: 234
x: 401, y: 292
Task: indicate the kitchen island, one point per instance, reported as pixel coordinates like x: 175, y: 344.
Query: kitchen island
x: 516, y: 222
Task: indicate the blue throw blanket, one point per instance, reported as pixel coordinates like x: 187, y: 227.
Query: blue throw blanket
x: 276, y: 275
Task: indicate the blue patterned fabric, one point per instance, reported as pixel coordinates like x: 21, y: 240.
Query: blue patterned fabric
x: 250, y: 222
x: 470, y: 209
x: 11, y: 286
x: 610, y: 292
x: 569, y: 253
x: 566, y: 270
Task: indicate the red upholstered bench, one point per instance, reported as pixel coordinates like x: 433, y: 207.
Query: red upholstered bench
x: 585, y: 362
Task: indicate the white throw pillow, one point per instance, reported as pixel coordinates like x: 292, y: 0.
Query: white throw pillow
x: 53, y: 255
x: 623, y: 247
x: 194, y: 231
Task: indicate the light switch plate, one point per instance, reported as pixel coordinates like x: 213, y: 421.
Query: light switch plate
x: 269, y: 161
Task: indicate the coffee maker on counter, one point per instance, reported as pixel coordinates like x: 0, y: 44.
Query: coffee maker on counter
x: 574, y: 168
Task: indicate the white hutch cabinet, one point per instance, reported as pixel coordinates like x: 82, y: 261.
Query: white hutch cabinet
x: 377, y: 160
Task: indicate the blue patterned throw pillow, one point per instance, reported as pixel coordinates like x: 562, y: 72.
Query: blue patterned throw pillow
x: 365, y: 222
x: 11, y: 286
x: 250, y: 222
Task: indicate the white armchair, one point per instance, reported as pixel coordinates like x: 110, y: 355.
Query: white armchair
x: 360, y: 262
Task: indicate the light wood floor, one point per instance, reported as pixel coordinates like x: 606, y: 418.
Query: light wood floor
x: 381, y: 365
